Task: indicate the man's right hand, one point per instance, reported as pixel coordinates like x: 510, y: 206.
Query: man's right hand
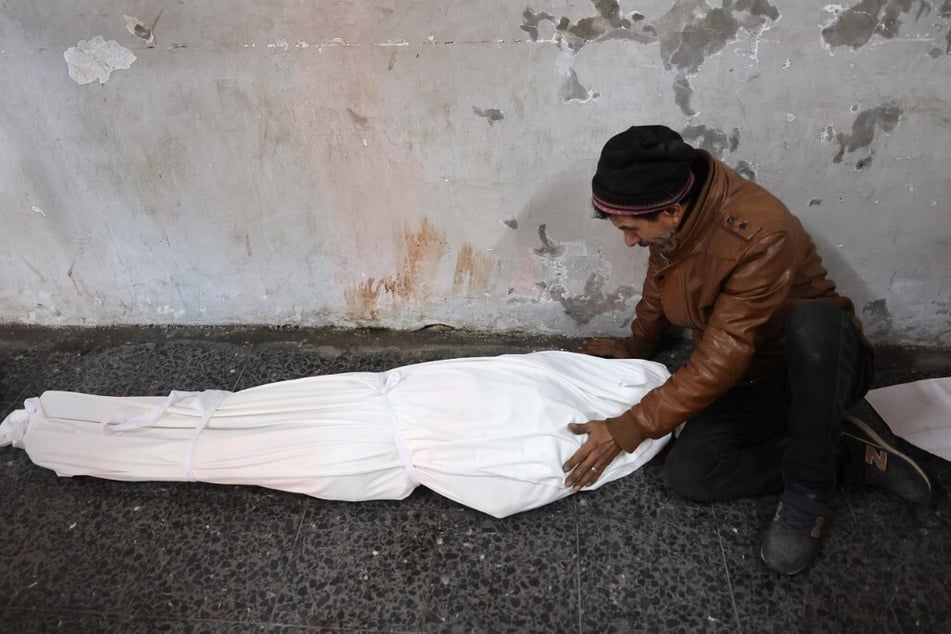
x: 604, y: 347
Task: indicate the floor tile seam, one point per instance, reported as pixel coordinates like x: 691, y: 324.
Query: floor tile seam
x: 427, y: 603
x: 896, y: 622
x: 726, y: 570
x: 247, y: 352
x: 128, y: 614
x: 286, y: 560
x: 653, y: 520
x: 579, y: 605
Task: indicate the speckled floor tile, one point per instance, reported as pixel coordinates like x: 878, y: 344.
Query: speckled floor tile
x: 108, y: 372
x: 270, y: 364
x: 387, y: 360
x: 846, y: 589
x: 643, y: 495
x: 30, y: 621
x: 421, y: 500
x: 95, y: 555
x: 518, y: 574
x: 15, y: 466
x: 919, y: 595
x: 877, y: 509
x: 353, y: 568
x: 12, y: 527
x: 654, y: 576
x: 219, y: 559
x: 189, y: 365
x: 80, y: 552
x: 17, y: 372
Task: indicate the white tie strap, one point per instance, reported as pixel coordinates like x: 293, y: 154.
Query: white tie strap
x: 207, y: 401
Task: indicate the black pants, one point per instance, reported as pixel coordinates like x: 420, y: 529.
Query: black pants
x: 783, y: 429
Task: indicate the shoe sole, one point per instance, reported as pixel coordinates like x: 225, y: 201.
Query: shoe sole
x: 762, y: 555
x: 881, y: 443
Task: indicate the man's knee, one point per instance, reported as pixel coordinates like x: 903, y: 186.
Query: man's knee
x: 688, y: 476
x: 811, y: 329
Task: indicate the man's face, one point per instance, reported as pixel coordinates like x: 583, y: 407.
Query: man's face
x: 639, y: 231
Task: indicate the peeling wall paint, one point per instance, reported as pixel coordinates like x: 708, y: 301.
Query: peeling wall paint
x: 348, y: 164
x: 885, y: 118
x: 490, y: 114
x: 593, y: 301
x: 857, y: 24
x: 95, y: 59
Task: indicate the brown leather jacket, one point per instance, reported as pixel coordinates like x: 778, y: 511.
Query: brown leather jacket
x: 733, y: 272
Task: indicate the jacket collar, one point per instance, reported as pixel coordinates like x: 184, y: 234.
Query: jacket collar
x: 703, y: 211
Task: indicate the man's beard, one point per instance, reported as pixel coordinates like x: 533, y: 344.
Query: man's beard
x: 661, y: 242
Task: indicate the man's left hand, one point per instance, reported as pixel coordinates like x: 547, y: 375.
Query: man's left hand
x: 589, y: 462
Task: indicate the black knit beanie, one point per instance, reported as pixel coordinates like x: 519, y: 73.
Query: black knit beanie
x: 642, y: 170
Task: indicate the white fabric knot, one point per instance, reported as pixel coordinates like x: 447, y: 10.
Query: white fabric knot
x: 13, y: 427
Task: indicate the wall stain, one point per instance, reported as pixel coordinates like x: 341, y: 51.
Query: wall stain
x: 77, y: 285
x: 682, y: 94
x: 531, y: 20
x: 607, y: 24
x: 359, y: 121
x: 548, y: 248
x: 473, y: 271
x: 490, y: 114
x: 392, y: 61
x: 885, y: 117
x: 690, y: 37
x: 876, y: 318
x: 511, y: 223
x: 363, y: 298
x: 588, y: 29
x: 815, y: 202
x: 593, y: 301
x: 861, y: 164
x: 856, y: 25
x: 422, y: 251
x: 745, y: 170
x: 712, y: 140
x: 689, y: 33
x: 572, y: 90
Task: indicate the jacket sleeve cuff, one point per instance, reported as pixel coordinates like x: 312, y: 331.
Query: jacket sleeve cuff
x: 625, y: 431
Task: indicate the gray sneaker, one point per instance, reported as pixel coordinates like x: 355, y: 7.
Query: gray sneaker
x: 792, y: 540
x: 873, y: 458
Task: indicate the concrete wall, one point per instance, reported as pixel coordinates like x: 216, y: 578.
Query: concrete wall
x: 405, y: 163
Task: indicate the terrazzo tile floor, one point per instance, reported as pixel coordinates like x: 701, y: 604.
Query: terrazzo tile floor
x: 87, y: 555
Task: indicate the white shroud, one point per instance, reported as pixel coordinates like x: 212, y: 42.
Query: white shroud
x: 488, y: 432
x: 920, y: 412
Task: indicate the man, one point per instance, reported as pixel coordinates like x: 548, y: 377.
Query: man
x: 779, y: 356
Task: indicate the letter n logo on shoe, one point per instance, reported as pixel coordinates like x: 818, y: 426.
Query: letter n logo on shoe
x: 876, y: 457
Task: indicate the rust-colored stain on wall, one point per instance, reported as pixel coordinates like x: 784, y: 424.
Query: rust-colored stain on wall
x: 362, y: 298
x: 423, y: 249
x: 473, y: 271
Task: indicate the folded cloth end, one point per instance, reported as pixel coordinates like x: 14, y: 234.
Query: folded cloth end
x: 13, y: 427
